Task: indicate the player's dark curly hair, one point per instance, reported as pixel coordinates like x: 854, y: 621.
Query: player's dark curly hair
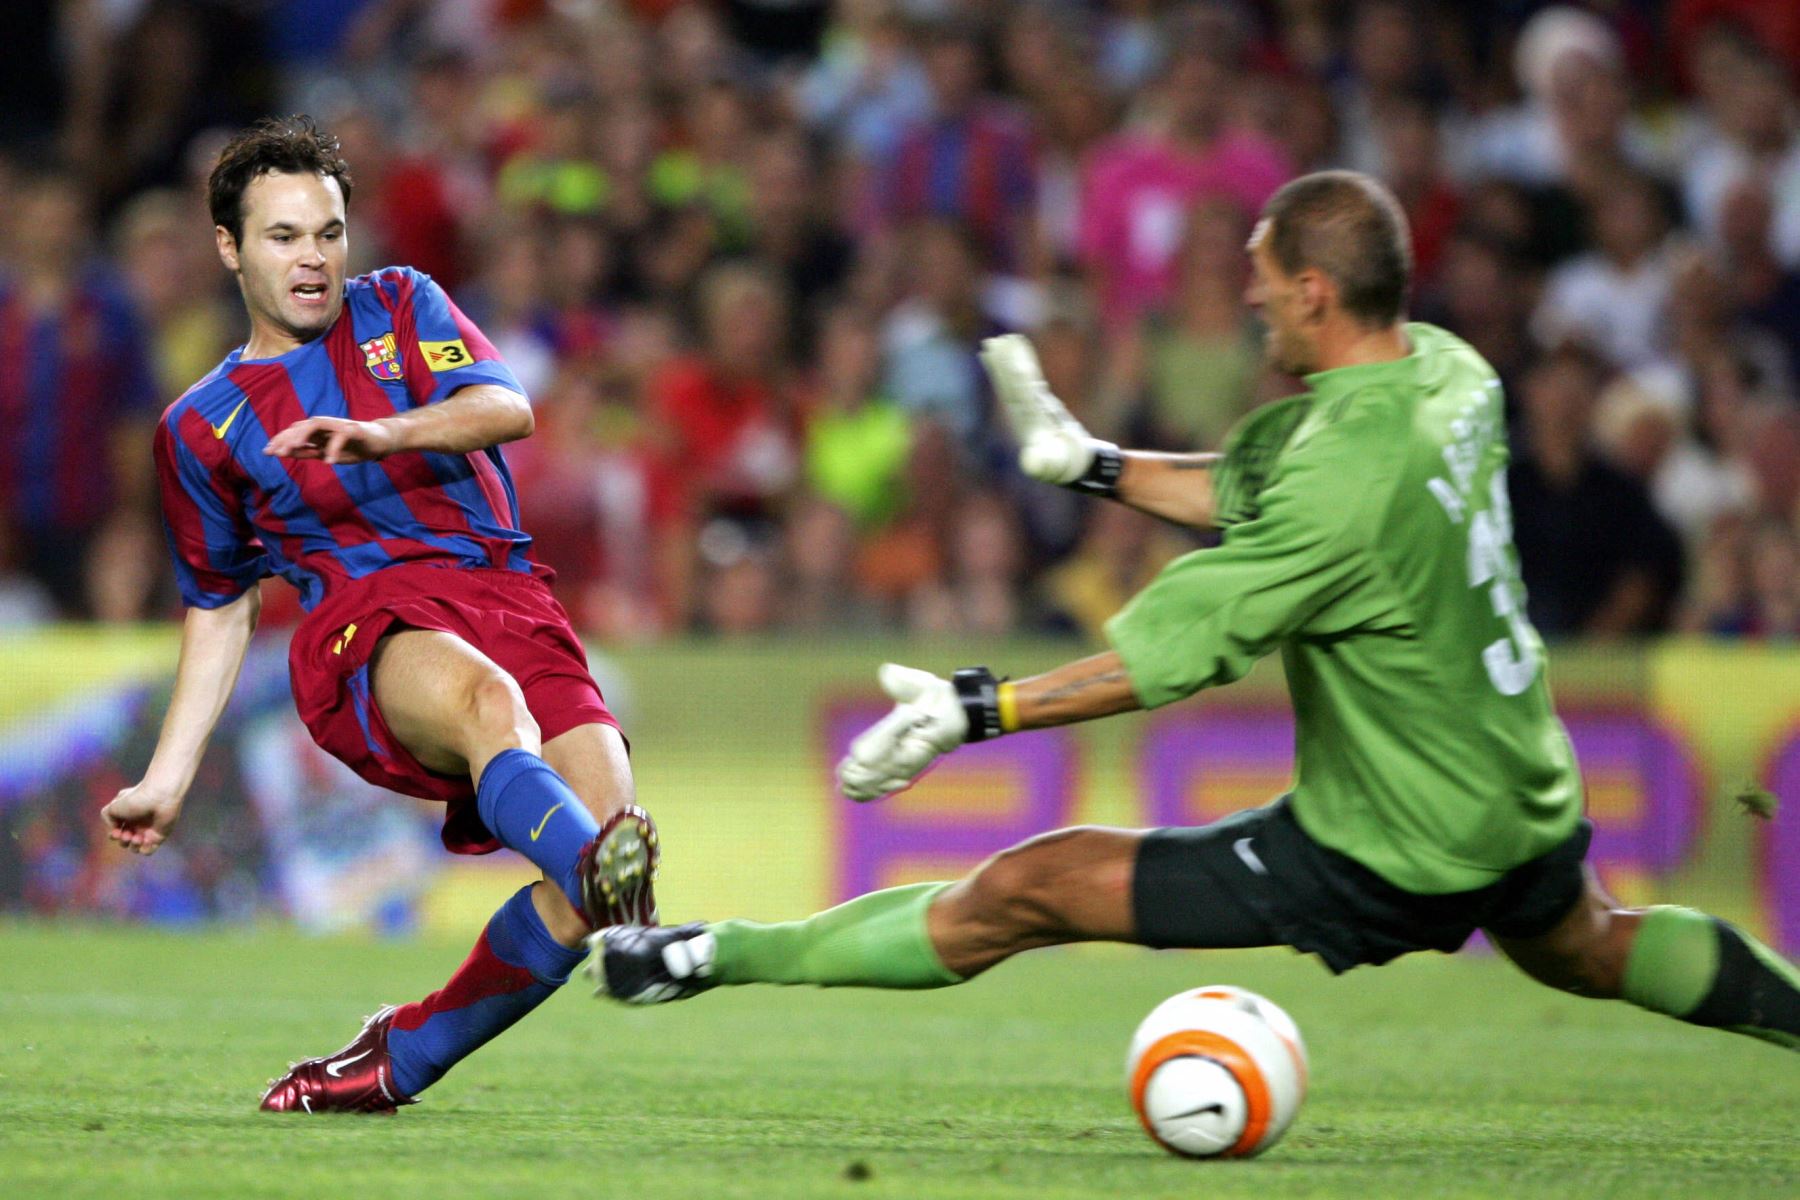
x: 290, y: 145
x: 1350, y: 227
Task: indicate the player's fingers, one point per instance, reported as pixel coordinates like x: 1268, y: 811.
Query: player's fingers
x: 1021, y: 416
x: 887, y: 757
x: 1016, y: 401
x: 337, y: 445
x: 319, y: 430
x: 904, y: 684
x: 895, y: 773
x: 121, y: 819
x: 994, y: 361
x: 911, y: 754
x: 1010, y: 356
x: 874, y: 744
x: 1012, y: 363
x: 863, y: 783
x: 288, y: 440
x: 858, y: 781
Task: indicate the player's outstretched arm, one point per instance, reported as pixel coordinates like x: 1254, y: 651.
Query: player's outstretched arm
x: 1056, y: 448
x: 933, y: 716
x: 213, y: 644
x: 474, y: 418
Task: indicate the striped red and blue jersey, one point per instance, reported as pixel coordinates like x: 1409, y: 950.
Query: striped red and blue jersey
x: 84, y: 367
x: 979, y: 169
x: 234, y: 514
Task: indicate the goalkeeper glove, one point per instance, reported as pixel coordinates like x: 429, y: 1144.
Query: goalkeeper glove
x: 931, y: 717
x: 1053, y: 446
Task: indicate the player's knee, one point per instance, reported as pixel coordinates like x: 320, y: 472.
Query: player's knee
x: 1584, y: 974
x: 1602, y: 970
x: 999, y: 895
x: 1592, y: 965
x: 1022, y: 889
x: 495, y: 710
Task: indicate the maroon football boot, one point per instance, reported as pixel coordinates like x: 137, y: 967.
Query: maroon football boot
x: 359, y: 1078
x: 617, y: 870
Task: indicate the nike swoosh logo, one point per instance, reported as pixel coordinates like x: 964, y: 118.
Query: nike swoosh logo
x: 1215, y: 1108
x: 546, y: 820
x: 219, y: 430
x: 1251, y: 860
x: 335, y: 1069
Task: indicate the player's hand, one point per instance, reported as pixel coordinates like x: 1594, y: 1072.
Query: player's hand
x: 334, y: 439
x: 139, y: 818
x: 928, y: 720
x: 1053, y: 446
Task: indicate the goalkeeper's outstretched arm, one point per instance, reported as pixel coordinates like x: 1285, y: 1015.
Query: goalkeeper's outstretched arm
x: 1056, y: 448
x: 933, y: 716
x: 1175, y: 487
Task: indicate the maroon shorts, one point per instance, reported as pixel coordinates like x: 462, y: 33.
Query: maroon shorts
x: 510, y: 617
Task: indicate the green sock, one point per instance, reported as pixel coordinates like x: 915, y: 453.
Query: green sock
x: 878, y: 940
x: 1700, y: 969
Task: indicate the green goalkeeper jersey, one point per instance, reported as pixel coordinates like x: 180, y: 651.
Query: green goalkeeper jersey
x: 1368, y: 536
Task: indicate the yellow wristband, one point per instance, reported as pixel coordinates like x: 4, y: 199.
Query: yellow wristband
x: 1007, y: 701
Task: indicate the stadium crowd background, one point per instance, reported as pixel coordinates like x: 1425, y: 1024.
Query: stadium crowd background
x: 740, y: 254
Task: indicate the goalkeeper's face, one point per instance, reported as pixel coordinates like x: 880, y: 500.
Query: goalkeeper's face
x: 291, y: 258
x: 1289, y: 305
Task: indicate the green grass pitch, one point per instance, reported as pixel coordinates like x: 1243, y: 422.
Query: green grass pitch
x: 131, y: 1061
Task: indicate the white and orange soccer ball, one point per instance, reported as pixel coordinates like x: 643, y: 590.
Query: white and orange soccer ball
x: 1216, y: 1072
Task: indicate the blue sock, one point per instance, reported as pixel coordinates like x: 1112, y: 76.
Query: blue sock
x: 513, y: 968
x: 528, y: 807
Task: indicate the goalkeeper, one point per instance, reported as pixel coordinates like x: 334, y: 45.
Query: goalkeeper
x: 1367, y: 538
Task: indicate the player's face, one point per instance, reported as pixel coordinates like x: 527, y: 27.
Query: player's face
x: 290, y: 261
x: 1285, y: 305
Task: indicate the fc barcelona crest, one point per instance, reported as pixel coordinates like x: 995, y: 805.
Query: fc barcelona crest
x: 381, y: 354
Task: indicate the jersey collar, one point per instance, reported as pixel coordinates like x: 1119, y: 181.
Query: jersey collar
x: 1341, y: 380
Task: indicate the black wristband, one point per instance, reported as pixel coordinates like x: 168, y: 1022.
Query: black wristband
x: 979, y: 692
x: 1102, y: 476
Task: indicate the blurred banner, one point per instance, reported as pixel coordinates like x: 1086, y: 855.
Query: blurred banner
x: 733, y: 745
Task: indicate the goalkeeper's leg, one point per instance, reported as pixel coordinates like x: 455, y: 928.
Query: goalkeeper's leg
x: 1671, y: 960
x: 1072, y: 885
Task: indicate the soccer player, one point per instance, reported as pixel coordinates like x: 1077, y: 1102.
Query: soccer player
x: 351, y: 446
x: 1366, y: 537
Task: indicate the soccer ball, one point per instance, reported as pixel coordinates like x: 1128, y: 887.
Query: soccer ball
x: 1216, y: 1072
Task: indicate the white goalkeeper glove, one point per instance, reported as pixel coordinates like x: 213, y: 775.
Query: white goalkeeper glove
x: 931, y: 717
x: 1053, y: 446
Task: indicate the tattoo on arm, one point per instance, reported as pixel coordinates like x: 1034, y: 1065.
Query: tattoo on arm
x: 1076, y: 686
x: 1080, y: 691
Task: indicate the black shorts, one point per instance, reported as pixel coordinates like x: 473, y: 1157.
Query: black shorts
x: 1257, y: 879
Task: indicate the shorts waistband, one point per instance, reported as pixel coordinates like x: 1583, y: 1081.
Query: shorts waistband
x: 498, y: 575
x: 349, y: 595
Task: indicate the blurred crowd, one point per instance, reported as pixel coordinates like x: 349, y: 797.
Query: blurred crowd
x: 740, y: 253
